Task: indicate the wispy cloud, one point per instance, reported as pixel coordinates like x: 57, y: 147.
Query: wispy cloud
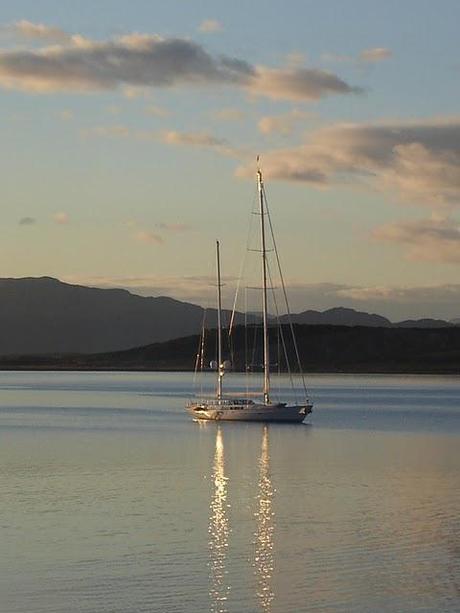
x: 113, y: 131
x: 173, y: 227
x: 196, y: 139
x: 403, y: 295
x: 296, y: 83
x: 284, y: 123
x: 295, y: 58
x: 61, y: 218
x: 337, y: 58
x: 395, y: 302
x: 66, y: 115
x: 202, y: 140
x: 198, y: 289
x: 133, y: 92
x: 114, y: 109
x: 367, y: 56
x: 436, y: 239
x: 374, y: 55
x: 27, y: 221
x: 135, y: 62
x: 157, y: 111
x: 147, y: 237
x: 210, y: 25
x: 229, y: 114
x: 38, y: 31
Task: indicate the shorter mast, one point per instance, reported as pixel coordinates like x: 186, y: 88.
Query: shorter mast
x: 219, y: 327
x: 260, y: 186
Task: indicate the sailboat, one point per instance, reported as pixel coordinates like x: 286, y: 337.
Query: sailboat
x: 240, y: 407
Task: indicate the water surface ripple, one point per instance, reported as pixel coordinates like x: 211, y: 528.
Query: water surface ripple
x: 113, y: 500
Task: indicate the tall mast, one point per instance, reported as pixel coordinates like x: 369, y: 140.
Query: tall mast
x: 260, y: 185
x: 219, y: 327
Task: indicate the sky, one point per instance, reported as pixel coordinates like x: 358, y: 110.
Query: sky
x: 129, y: 136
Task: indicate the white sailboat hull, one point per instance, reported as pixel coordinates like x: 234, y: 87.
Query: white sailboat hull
x: 251, y: 412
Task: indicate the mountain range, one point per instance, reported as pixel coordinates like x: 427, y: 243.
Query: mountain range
x: 43, y: 315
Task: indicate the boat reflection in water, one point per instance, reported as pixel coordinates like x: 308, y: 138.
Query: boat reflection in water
x: 218, y: 531
x: 263, y: 559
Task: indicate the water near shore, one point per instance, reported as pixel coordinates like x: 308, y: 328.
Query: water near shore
x: 113, y: 500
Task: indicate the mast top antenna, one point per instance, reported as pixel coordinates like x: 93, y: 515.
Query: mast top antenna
x: 259, y: 172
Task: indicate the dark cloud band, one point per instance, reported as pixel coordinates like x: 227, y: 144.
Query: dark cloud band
x: 145, y: 60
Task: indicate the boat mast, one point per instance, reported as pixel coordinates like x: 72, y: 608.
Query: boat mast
x: 220, y: 372
x: 260, y: 185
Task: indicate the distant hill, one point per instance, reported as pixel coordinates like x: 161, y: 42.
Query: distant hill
x: 339, y: 316
x: 424, y: 323
x: 322, y: 349
x: 45, y: 316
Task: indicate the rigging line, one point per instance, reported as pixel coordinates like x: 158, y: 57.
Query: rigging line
x: 296, y: 348
x: 255, y: 330
x: 246, y: 370
x: 231, y: 348
x: 242, y: 267
x: 283, y: 340
x: 200, y: 355
x: 200, y: 348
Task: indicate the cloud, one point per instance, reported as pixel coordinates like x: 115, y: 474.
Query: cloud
x: 188, y: 139
x: 295, y: 83
x: 205, y: 141
x: 61, y: 218
x: 148, y: 237
x: 38, y: 31
x: 131, y: 92
x: 282, y: 124
x: 336, y: 58
x: 157, y: 111
x: 229, y: 114
x: 173, y: 227
x: 144, y: 236
x: 66, y: 115
x: 113, y: 109
x: 27, y: 221
x: 377, y: 54
x: 417, y: 160
x: 135, y: 62
x: 115, y: 131
x: 367, y: 56
x: 436, y: 294
x: 198, y: 289
x: 210, y: 25
x: 296, y: 58
x: 196, y: 139
x: 395, y: 302
x: 433, y: 240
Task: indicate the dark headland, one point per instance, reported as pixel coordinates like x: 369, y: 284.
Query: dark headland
x: 345, y: 349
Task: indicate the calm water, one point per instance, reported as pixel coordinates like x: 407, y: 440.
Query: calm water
x: 112, y: 499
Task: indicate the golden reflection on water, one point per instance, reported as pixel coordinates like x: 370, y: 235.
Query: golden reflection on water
x: 219, y: 531
x: 263, y: 559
